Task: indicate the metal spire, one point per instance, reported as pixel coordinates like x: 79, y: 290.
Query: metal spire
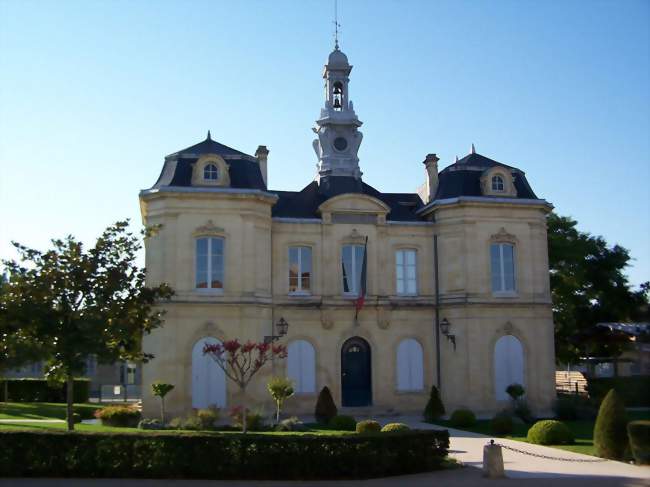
x: 209, y: 137
x: 473, y: 149
x: 336, y: 25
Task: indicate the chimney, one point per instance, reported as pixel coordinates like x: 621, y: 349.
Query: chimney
x: 262, y: 154
x: 431, y: 165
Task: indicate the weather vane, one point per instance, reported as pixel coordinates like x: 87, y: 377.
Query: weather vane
x: 336, y: 25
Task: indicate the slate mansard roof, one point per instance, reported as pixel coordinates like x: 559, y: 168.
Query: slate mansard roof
x: 244, y: 169
x: 462, y: 178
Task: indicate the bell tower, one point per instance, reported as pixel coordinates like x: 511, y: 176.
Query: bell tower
x: 337, y: 128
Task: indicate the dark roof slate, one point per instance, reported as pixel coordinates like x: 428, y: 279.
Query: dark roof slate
x: 463, y: 178
x: 305, y: 203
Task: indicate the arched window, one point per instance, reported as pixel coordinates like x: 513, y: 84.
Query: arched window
x: 508, y: 365
x: 210, y: 172
x: 338, y: 95
x: 301, y: 366
x: 497, y: 183
x: 208, y: 379
x: 410, y: 368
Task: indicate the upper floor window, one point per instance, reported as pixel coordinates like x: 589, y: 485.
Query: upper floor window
x: 502, y: 257
x: 497, y: 183
x: 352, y: 264
x: 209, y: 263
x: 210, y: 172
x: 405, y: 271
x: 299, y: 269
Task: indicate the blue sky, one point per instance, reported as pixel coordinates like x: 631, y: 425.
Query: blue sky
x: 93, y: 95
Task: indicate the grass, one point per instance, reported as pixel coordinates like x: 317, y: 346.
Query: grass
x: 43, y: 410
x: 583, y: 432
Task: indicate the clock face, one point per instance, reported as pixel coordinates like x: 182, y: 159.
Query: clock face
x: 340, y: 143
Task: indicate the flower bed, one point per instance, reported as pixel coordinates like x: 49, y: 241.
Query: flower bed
x: 219, y: 456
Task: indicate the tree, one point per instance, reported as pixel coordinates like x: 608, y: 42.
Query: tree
x: 434, y: 408
x: 325, y: 407
x: 589, y: 286
x: 240, y: 362
x: 610, y: 433
x: 69, y: 303
x: 281, y: 389
x: 161, y: 389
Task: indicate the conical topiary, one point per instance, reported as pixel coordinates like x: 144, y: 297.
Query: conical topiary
x: 610, y: 433
x: 434, y: 408
x: 325, y: 407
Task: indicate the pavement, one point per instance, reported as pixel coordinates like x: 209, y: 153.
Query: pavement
x: 522, y: 469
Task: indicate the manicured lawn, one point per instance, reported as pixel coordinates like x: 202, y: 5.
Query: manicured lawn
x: 42, y: 410
x: 583, y: 431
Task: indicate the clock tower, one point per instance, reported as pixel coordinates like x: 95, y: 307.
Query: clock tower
x: 337, y: 128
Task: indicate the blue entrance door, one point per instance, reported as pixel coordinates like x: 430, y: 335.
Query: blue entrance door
x: 356, y: 383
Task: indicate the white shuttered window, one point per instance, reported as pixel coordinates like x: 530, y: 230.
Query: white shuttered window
x: 410, y: 368
x: 301, y: 366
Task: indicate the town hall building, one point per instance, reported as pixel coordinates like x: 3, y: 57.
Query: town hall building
x: 455, y: 279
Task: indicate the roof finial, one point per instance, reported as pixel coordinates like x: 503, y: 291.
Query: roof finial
x: 209, y: 136
x: 473, y: 149
x: 336, y: 25
x: 456, y: 158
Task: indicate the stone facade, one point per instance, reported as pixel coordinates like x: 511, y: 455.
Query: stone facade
x: 257, y: 233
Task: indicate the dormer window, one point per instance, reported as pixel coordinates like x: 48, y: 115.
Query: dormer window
x: 497, y: 183
x: 210, y: 172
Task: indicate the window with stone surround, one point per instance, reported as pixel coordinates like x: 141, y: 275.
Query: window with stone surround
x: 301, y: 366
x: 209, y: 263
x: 410, y: 366
x: 502, y: 260
x: 497, y: 183
x: 351, y: 266
x: 406, y: 272
x: 300, y: 270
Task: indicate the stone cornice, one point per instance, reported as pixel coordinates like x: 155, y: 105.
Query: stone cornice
x: 485, y: 201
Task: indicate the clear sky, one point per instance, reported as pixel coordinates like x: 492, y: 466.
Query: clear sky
x: 93, y: 95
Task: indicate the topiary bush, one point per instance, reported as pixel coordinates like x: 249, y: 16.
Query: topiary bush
x: 515, y: 391
x: 550, y: 432
x: 368, y: 426
x: 502, y: 424
x: 395, y: 428
x: 610, y: 432
x: 639, y: 433
x: 434, y: 408
x: 121, y: 416
x: 343, y: 423
x: 462, y: 418
x: 165, y: 454
x: 325, y: 407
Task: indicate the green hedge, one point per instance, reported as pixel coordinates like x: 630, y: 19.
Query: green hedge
x: 38, y: 390
x: 634, y: 390
x: 219, y: 456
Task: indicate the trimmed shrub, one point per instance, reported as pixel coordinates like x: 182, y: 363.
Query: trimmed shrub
x: 462, y: 417
x: 639, y: 433
x: 325, y: 407
x: 290, y: 424
x: 192, y: 455
x: 610, y: 433
x: 208, y: 418
x: 502, y: 424
x: 254, y: 419
x: 395, y: 428
x: 343, y: 423
x: 434, y: 408
x: 151, y: 424
x: 515, y: 391
x: 633, y: 390
x: 368, y: 426
x: 39, y: 390
x: 550, y: 432
x: 124, y: 416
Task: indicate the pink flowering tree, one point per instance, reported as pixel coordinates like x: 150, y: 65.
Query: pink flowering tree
x: 241, y: 361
